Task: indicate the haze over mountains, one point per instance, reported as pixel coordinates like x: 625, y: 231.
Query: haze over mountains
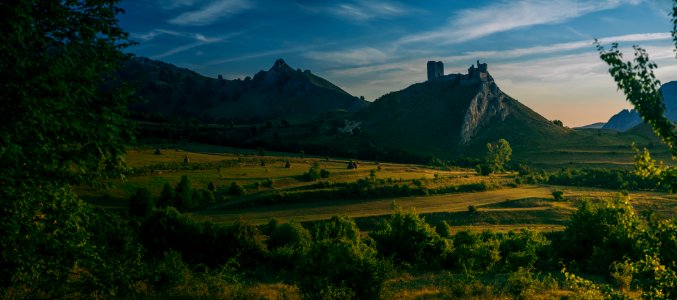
x: 452, y: 115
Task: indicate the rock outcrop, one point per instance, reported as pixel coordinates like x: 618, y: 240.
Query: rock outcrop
x: 488, y: 103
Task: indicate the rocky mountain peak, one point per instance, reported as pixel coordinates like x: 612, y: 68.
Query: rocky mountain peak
x: 280, y: 65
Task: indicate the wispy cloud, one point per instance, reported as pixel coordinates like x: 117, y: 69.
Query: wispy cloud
x: 563, y: 47
x: 474, y: 23
x: 364, y: 10
x: 359, y: 56
x: 172, y: 4
x: 151, y: 35
x: 200, y: 40
x: 212, y: 12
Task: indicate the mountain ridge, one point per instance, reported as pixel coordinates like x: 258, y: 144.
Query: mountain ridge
x: 279, y: 93
x: 628, y: 119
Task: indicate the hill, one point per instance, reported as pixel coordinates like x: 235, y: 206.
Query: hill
x: 279, y: 93
x: 454, y: 114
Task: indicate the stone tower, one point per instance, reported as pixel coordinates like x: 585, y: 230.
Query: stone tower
x: 479, y: 72
x: 435, y: 69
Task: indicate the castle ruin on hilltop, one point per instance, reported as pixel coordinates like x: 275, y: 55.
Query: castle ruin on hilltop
x: 479, y: 72
x: 436, y: 70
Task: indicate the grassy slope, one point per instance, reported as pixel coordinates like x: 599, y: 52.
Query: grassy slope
x: 425, y: 117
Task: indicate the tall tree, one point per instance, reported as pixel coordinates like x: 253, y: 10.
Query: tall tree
x: 498, y: 155
x: 62, y: 124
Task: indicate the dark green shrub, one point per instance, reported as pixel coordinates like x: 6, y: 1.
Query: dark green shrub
x: 484, y: 169
x: 267, y: 183
x: 313, y: 173
x: 597, y: 236
x: 171, y: 271
x: 337, y: 228
x: 558, y: 195
x: 339, y: 264
x: 183, y: 195
x: 166, y: 197
x: 473, y: 251
x: 408, y: 239
x: 141, y: 204
x: 324, y: 173
x: 236, y: 189
x: 442, y: 228
x: 289, y: 234
x: 522, y: 249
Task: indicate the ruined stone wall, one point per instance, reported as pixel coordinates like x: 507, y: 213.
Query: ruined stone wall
x: 435, y: 69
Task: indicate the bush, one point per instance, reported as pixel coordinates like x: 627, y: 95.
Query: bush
x: 522, y: 250
x: 484, y: 169
x: 141, y: 204
x: 236, y: 189
x: 558, y: 195
x: 267, y: 183
x: 408, y: 239
x: 166, y: 197
x: 474, y: 251
x: 313, y: 173
x: 472, y: 210
x: 183, y: 195
x: 324, y: 173
x: 289, y: 234
x: 339, y: 264
x: 200, y: 242
x: 442, y: 228
x: 597, y: 236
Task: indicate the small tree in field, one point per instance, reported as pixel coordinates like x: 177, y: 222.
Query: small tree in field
x: 498, y: 155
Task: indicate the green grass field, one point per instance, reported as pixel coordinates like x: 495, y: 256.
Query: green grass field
x: 504, y: 207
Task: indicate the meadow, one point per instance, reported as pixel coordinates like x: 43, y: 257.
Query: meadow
x: 503, y: 205
x: 471, y: 236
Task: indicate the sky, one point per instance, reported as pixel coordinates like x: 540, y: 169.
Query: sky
x: 540, y: 52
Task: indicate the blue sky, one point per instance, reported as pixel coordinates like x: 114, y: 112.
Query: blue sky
x: 539, y: 52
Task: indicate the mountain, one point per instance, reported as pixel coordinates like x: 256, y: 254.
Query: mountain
x: 455, y: 115
x: 279, y: 93
x: 627, y: 119
x: 598, y: 125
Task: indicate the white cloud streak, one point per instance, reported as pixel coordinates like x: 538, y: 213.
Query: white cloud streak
x: 474, y: 23
x: 200, y: 40
x: 359, y: 56
x: 151, y: 35
x: 212, y: 12
x: 364, y: 10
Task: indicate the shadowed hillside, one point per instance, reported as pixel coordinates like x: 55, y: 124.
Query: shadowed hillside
x: 454, y: 113
x: 279, y: 93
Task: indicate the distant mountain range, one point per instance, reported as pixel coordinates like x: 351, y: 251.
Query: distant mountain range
x: 279, y: 93
x: 627, y: 119
x: 290, y: 110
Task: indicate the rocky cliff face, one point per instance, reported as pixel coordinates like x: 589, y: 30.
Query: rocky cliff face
x: 486, y: 105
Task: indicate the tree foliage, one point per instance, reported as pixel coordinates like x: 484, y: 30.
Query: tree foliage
x: 56, y: 58
x: 498, y: 155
